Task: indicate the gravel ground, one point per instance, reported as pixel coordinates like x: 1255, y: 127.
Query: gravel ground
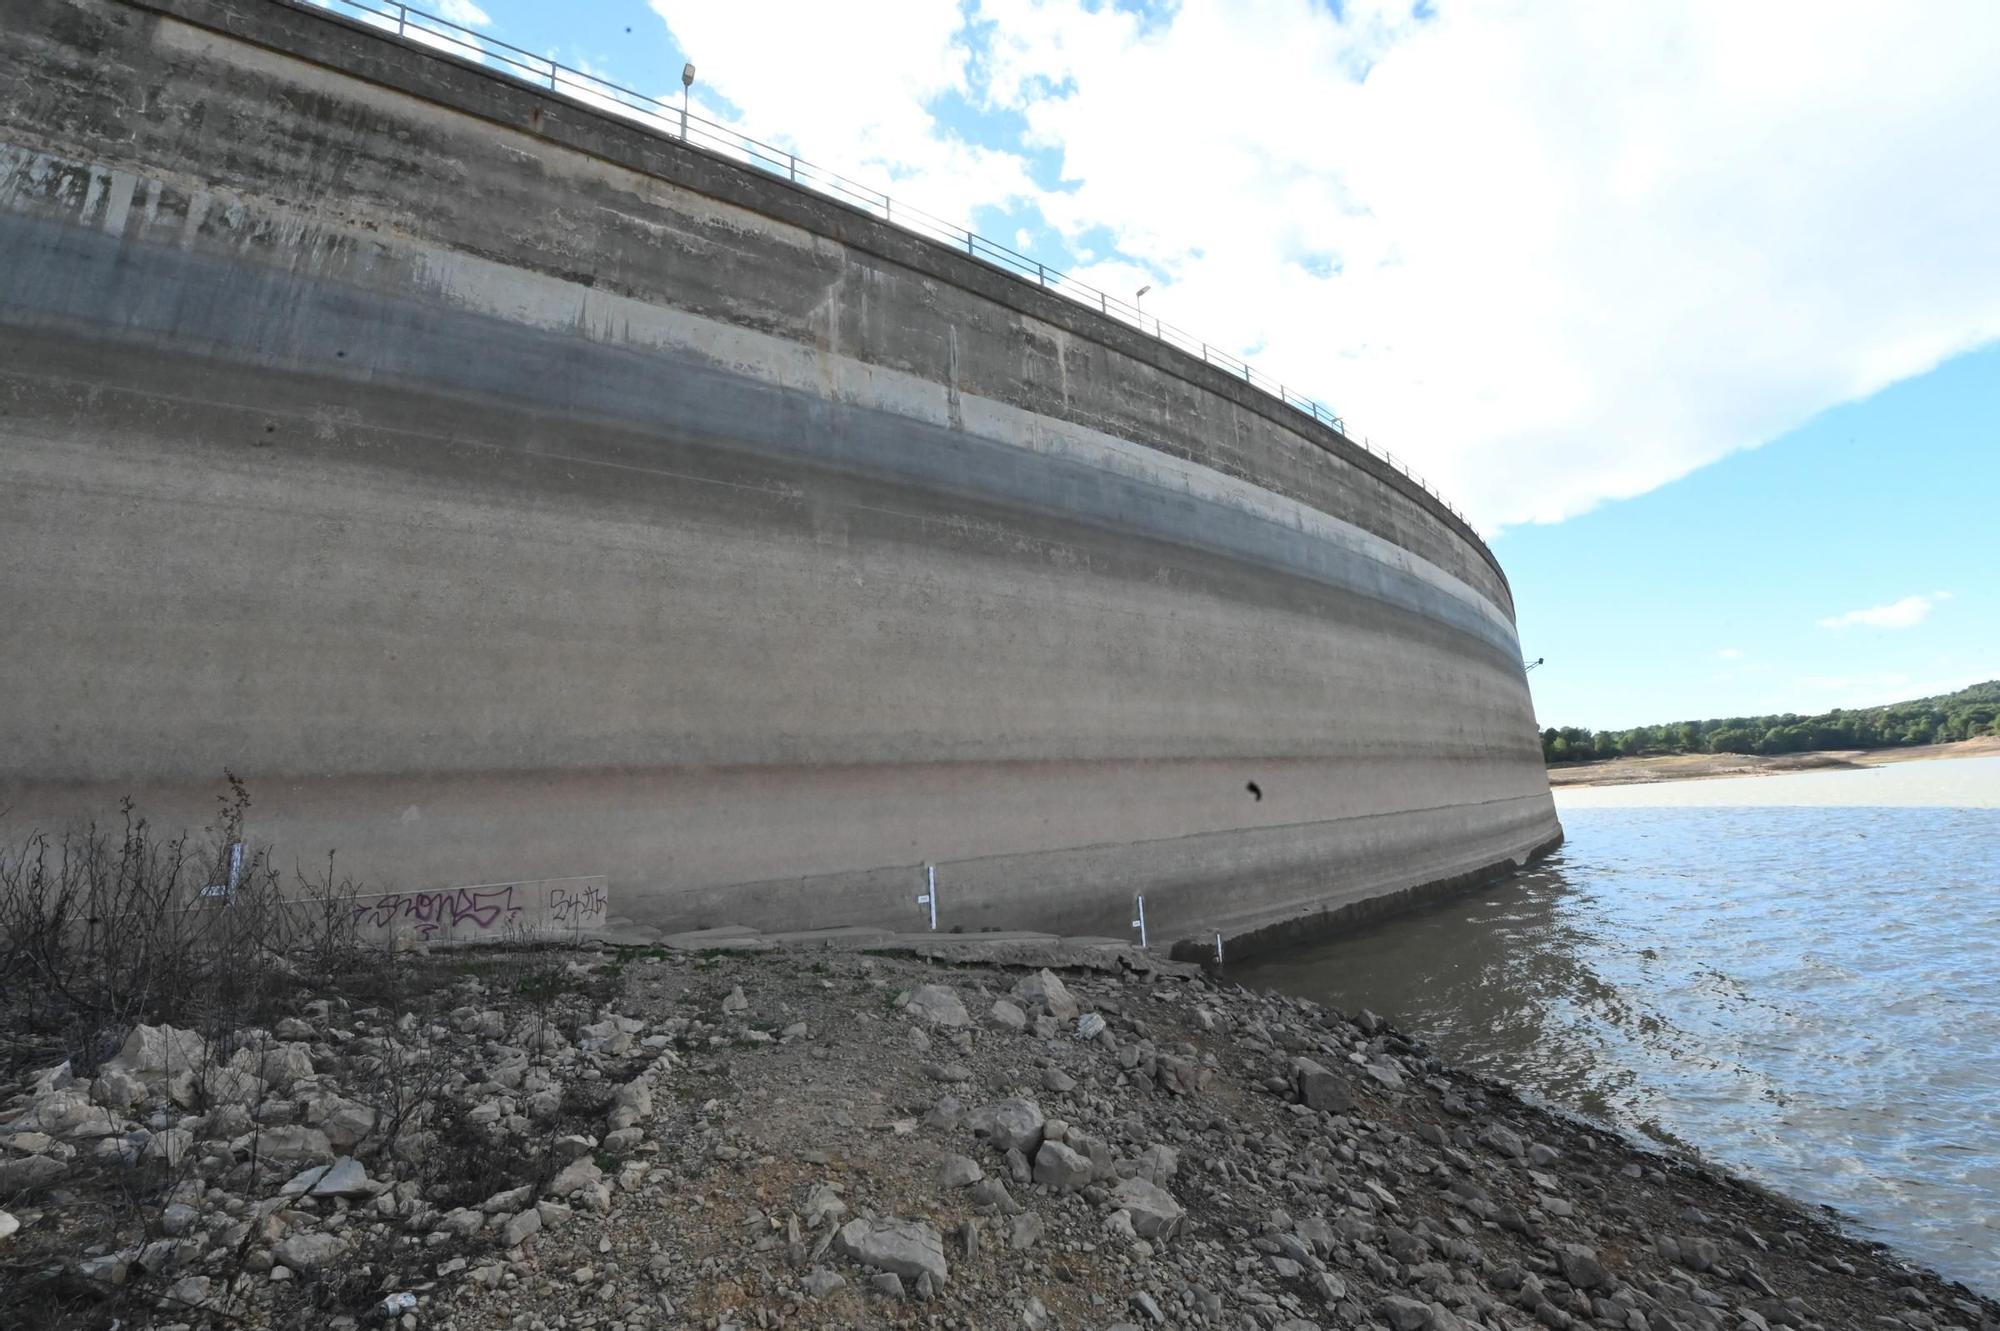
x: 826, y: 1138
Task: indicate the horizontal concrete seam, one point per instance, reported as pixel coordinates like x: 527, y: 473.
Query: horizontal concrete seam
x: 1090, y: 846
x: 947, y: 265
x: 1260, y: 933
x: 723, y: 771
x: 1304, y: 907
x: 500, y: 448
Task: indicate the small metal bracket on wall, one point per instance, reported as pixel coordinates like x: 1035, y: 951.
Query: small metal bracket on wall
x: 1140, y: 923
x: 929, y: 898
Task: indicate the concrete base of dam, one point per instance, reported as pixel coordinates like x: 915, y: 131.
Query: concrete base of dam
x: 618, y: 511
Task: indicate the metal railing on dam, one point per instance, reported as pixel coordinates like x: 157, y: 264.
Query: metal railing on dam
x: 414, y: 25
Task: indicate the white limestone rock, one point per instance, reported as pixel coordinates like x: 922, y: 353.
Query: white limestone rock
x: 1046, y: 989
x: 938, y: 1005
x: 909, y: 1248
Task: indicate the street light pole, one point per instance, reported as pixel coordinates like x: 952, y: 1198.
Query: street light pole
x: 687, y: 82
x: 1139, y: 298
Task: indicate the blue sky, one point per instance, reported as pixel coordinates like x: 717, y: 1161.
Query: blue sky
x: 1692, y: 308
x: 1706, y: 597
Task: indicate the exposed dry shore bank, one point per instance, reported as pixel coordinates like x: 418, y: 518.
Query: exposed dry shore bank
x: 1695, y: 766
x: 824, y: 1137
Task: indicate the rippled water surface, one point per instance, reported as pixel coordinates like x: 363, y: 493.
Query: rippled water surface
x: 1806, y: 991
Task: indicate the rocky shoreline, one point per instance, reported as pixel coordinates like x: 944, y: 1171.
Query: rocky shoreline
x: 614, y: 1139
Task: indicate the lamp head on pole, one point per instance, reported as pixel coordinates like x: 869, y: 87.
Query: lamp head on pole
x: 687, y: 76
x: 1141, y: 295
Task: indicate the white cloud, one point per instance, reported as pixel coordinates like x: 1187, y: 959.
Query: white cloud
x: 853, y: 95
x: 1550, y: 253
x: 1904, y: 614
x: 1731, y: 654
x: 1554, y: 253
x: 463, y: 12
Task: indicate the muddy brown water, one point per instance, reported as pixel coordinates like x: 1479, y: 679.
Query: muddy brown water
x: 1796, y: 976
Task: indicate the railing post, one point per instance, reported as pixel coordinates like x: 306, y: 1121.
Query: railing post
x: 1041, y: 273
x: 795, y: 168
x: 402, y: 19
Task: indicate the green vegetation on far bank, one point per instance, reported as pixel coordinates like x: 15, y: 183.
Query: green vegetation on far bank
x: 1966, y: 714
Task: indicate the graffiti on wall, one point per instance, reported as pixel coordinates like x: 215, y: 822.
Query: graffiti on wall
x: 574, y: 905
x: 452, y: 908
x: 488, y: 912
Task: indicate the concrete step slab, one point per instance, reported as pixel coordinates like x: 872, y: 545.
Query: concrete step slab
x: 829, y: 937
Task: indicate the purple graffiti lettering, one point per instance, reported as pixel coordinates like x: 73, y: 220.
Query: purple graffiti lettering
x: 481, y: 908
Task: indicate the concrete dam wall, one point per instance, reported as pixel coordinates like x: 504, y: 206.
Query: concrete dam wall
x: 506, y: 491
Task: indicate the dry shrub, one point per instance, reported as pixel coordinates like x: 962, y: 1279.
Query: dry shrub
x: 104, y: 928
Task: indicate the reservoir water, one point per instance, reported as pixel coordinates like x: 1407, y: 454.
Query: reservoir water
x: 1797, y: 977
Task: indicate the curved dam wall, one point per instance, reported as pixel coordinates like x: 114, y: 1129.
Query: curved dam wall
x: 505, y: 492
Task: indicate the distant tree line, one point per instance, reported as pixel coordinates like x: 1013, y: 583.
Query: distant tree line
x: 1962, y: 715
